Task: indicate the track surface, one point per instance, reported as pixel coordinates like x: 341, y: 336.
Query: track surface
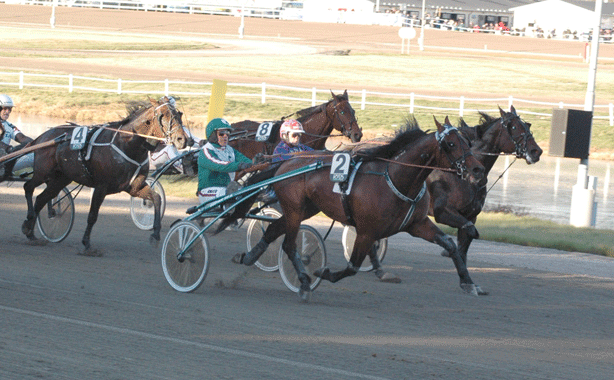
x: 67, y: 316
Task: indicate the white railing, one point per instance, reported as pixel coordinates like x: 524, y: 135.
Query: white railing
x: 410, y: 101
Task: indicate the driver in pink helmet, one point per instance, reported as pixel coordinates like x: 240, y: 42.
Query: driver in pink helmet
x: 290, y: 134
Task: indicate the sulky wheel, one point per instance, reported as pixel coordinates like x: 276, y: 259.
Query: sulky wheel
x: 268, y: 262
x: 311, y: 248
x: 142, y: 210
x: 186, y: 273
x: 55, y: 220
x: 347, y: 240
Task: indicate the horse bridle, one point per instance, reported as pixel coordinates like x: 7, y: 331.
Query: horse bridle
x: 459, y: 163
x: 521, y: 142
x: 166, y: 130
x: 345, y: 131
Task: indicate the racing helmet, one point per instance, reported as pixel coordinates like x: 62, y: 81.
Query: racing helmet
x: 6, y: 101
x: 214, y: 125
x: 290, y: 126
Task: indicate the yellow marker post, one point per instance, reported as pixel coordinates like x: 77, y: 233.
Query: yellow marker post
x: 218, y: 98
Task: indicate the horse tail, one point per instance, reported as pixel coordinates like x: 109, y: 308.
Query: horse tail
x: 243, y: 208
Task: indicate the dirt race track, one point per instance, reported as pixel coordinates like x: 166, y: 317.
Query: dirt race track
x: 67, y: 316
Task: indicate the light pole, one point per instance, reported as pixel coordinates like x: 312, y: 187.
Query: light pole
x: 242, y: 26
x: 421, y: 39
x: 583, y: 194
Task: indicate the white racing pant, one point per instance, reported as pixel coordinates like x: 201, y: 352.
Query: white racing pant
x: 158, y: 159
x: 24, y: 162
x: 209, y: 193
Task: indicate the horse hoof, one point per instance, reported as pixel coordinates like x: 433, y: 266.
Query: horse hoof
x: 154, y: 241
x: 473, y: 289
x: 480, y: 291
x: 238, y: 258
x: 89, y: 252
x: 389, y: 278
x: 36, y: 242
x: 445, y: 253
x: 304, y: 295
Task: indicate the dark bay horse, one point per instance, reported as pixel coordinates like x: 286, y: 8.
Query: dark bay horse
x: 457, y: 203
x: 385, y: 198
x: 318, y: 122
x: 115, y: 159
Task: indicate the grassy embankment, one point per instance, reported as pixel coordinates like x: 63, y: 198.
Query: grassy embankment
x: 522, y: 79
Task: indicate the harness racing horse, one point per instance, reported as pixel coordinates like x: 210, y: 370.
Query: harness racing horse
x: 457, y: 203
x: 318, y: 122
x: 114, y: 160
x: 385, y: 198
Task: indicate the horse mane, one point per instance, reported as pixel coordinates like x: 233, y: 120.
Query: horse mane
x: 135, y: 108
x: 486, y: 121
x: 404, y: 136
x: 307, y: 112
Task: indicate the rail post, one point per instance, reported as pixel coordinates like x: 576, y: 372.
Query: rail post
x: 461, y: 108
x: 166, y: 87
x: 313, y: 96
x: 263, y: 96
x: 364, y: 99
x: 70, y: 83
x: 21, y: 80
x: 611, y: 111
x: 411, y: 102
x: 119, y: 85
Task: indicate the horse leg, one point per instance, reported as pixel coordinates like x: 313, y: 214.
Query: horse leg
x: 377, y: 267
x: 52, y: 190
x: 466, y: 234
x: 362, y: 246
x: 273, y: 231
x: 147, y: 193
x: 427, y: 230
x: 291, y: 227
x: 99, y: 194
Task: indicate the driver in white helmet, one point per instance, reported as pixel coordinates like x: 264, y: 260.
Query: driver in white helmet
x: 290, y: 134
x: 167, y: 152
x: 9, y: 132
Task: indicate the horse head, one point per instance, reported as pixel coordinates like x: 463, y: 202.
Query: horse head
x: 344, y: 117
x: 167, y: 123
x: 458, y: 152
x: 524, y: 143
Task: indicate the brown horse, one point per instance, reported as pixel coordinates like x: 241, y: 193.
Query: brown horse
x: 318, y: 122
x: 384, y: 199
x: 114, y: 159
x: 457, y: 203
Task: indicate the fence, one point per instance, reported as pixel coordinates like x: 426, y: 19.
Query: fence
x: 265, y: 92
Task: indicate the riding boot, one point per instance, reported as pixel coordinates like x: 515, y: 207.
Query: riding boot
x: 252, y: 256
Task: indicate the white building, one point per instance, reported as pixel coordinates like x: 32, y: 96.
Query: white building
x: 575, y: 16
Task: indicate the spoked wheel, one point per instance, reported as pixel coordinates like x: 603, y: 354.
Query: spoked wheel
x: 142, y: 210
x: 55, y: 220
x: 311, y: 249
x: 349, y: 237
x: 268, y: 262
x: 187, y: 273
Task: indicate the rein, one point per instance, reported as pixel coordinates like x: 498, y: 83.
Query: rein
x: 501, y: 175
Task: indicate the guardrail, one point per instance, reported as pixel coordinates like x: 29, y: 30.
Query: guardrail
x: 265, y: 92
